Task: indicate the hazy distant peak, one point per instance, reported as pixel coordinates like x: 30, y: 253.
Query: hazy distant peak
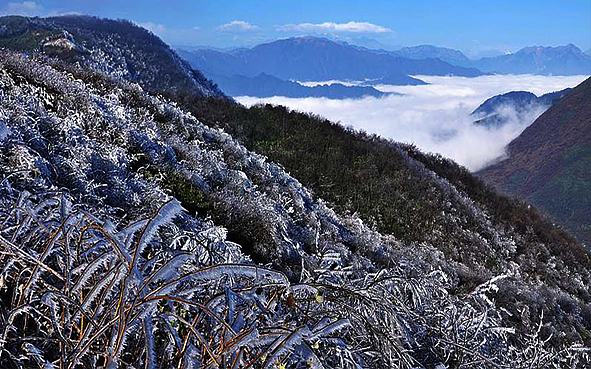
x: 309, y: 38
x: 454, y: 57
x: 304, y: 39
x: 431, y: 48
x: 548, y: 60
x: 550, y: 49
x: 513, y: 98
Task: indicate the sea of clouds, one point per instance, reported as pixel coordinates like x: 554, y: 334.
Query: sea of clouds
x: 436, y: 117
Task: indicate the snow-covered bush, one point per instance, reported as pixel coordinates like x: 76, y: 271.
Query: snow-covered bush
x: 101, y: 267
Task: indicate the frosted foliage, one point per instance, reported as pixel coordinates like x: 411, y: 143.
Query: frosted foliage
x: 167, y: 300
x: 227, y: 312
x: 110, y: 257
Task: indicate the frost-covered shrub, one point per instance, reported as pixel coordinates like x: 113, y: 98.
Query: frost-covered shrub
x: 120, y: 153
x: 81, y: 293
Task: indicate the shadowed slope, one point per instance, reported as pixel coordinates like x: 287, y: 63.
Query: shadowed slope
x: 549, y: 163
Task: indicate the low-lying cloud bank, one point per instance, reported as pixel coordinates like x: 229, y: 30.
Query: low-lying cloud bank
x: 436, y: 117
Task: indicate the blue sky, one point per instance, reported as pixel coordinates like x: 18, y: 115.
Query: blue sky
x: 472, y: 26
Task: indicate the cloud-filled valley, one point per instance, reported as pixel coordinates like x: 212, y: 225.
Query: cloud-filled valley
x: 436, y: 117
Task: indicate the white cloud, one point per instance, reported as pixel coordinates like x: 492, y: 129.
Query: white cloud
x: 26, y: 8
x: 350, y: 27
x: 436, y: 117
x: 237, y: 26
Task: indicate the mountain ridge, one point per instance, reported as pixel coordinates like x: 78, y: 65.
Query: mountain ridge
x: 451, y: 56
x: 544, y: 60
x: 264, y: 85
x: 499, y: 110
x: 544, y: 164
x: 428, y: 60
x: 102, y: 44
x: 316, y: 59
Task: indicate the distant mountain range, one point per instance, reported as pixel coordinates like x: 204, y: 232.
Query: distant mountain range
x: 561, y: 60
x: 396, y: 80
x: 317, y: 59
x: 493, y: 114
x: 265, y: 85
x: 269, y: 69
x: 450, y: 56
x: 320, y: 59
x: 548, y: 164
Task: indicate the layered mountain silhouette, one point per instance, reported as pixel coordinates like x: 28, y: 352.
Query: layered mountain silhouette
x: 320, y: 59
x: 265, y: 85
x: 451, y: 56
x: 498, y: 110
x: 560, y: 60
x: 317, y: 59
x: 548, y: 163
x: 249, y: 71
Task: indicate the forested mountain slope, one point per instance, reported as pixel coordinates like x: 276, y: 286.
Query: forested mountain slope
x: 396, y: 189
x: 548, y: 163
x: 116, y: 47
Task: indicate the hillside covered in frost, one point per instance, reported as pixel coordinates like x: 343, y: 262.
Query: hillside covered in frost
x: 116, y: 47
x: 135, y: 234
